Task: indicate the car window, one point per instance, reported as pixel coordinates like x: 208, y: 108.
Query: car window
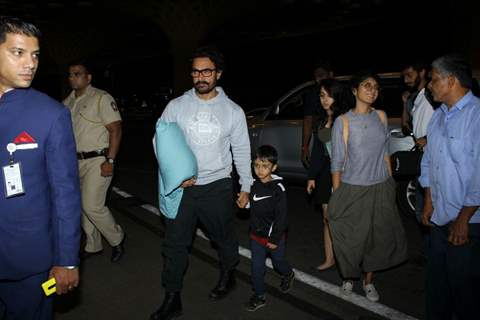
x: 290, y: 108
x: 390, y: 97
x: 255, y: 112
x: 389, y: 100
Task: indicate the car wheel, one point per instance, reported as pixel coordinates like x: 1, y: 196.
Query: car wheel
x: 406, y: 196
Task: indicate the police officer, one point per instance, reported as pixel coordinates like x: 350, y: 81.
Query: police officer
x: 98, y: 131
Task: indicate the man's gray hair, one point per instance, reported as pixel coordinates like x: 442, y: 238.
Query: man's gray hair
x: 454, y: 65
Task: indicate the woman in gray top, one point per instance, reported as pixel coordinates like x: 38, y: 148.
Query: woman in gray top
x: 366, y: 230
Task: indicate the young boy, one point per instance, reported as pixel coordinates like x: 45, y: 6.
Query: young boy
x: 268, y: 223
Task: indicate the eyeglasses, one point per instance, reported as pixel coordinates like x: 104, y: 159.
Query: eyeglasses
x: 370, y: 87
x: 75, y: 74
x: 204, y: 72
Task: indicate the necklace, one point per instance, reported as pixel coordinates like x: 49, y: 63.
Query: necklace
x: 368, y: 111
x: 363, y: 123
x: 362, y: 117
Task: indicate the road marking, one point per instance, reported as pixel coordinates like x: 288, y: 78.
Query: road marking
x: 306, y: 278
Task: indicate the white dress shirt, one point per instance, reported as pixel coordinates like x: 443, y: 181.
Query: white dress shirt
x: 422, y: 111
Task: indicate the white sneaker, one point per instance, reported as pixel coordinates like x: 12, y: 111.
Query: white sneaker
x: 347, y: 287
x: 370, y: 292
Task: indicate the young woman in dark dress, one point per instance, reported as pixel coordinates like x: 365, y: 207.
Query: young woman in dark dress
x: 335, y: 99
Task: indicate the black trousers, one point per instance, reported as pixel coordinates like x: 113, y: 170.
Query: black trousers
x: 24, y: 299
x: 259, y: 255
x: 453, y: 275
x: 212, y: 204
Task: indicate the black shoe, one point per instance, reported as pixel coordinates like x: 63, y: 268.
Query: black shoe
x: 85, y: 254
x: 224, y: 286
x: 286, y: 282
x: 255, y: 302
x: 118, y: 251
x: 171, y: 307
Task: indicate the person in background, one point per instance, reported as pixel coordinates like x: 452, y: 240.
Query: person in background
x: 98, y: 131
x: 366, y: 229
x: 420, y: 108
x: 335, y: 99
x: 451, y: 178
x: 322, y: 70
x: 39, y: 191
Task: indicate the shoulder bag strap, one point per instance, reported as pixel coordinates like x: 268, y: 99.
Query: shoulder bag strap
x: 345, y: 137
x: 382, y: 117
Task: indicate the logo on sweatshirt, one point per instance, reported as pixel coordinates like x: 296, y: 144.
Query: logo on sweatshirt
x: 255, y: 198
x: 204, y: 128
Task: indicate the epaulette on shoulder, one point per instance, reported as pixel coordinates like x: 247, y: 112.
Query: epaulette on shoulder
x: 100, y: 92
x: 281, y: 186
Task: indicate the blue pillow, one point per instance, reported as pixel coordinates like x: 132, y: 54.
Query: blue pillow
x: 169, y: 204
x: 176, y: 163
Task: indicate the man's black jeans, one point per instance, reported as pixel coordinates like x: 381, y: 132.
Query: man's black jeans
x: 212, y: 204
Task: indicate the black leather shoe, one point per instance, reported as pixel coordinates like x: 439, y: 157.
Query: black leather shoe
x: 171, y: 307
x: 224, y: 286
x: 85, y: 254
x: 118, y: 251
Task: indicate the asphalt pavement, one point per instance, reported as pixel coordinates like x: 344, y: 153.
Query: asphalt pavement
x: 131, y: 289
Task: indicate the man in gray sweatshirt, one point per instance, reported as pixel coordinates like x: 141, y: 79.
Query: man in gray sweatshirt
x: 213, y: 125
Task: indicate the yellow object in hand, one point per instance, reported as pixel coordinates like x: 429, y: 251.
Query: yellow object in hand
x: 49, y: 286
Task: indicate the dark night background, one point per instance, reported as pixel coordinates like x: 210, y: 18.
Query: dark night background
x: 270, y: 46
x: 142, y: 47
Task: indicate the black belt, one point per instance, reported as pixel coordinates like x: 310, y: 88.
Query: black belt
x: 91, y: 154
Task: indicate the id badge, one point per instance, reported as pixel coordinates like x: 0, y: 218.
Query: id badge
x: 12, y: 175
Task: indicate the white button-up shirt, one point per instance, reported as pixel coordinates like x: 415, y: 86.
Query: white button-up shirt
x: 422, y: 111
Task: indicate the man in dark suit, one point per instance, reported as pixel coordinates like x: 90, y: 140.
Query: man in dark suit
x: 39, y: 186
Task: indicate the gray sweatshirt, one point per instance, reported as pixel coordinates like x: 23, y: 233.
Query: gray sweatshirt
x: 367, y: 146
x: 211, y: 128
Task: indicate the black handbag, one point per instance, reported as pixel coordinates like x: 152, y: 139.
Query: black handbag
x: 407, y: 163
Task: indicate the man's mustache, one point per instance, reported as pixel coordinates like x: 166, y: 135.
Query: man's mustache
x: 201, y: 82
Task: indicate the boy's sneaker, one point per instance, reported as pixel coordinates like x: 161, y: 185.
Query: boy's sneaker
x: 347, y: 287
x: 287, y: 281
x: 255, y: 302
x: 370, y: 292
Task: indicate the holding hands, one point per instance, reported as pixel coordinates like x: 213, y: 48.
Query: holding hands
x: 242, y: 199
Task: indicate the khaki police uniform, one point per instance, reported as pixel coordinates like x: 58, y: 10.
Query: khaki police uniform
x: 90, y: 113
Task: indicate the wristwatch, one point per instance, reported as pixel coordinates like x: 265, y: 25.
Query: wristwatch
x: 110, y: 160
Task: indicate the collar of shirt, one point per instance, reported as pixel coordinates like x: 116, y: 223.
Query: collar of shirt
x: 2, y: 93
x: 8, y: 90
x: 88, y: 92
x: 449, y: 113
x: 13, y: 94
